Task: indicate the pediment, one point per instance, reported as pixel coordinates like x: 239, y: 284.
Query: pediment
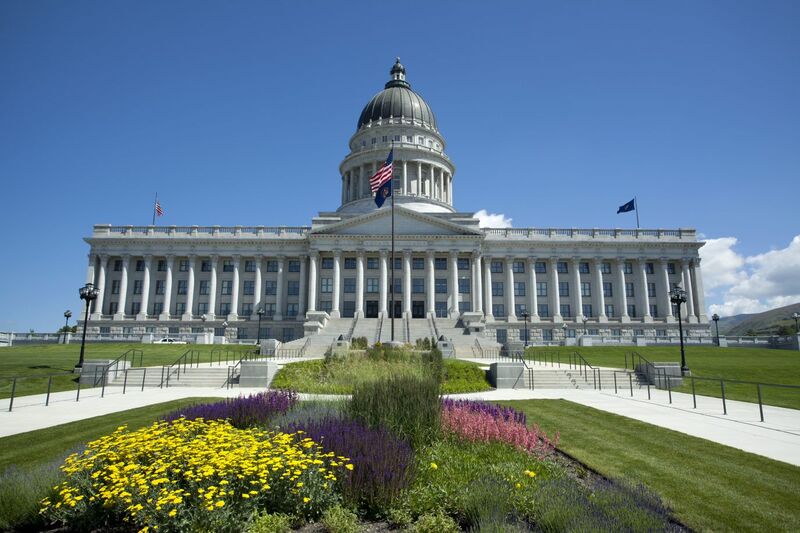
x: 406, y: 222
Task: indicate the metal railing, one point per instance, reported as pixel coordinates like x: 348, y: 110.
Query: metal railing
x: 190, y: 358
x: 543, y: 357
x: 130, y: 354
x: 577, y: 361
x: 15, y: 379
x: 638, y: 361
x: 349, y: 336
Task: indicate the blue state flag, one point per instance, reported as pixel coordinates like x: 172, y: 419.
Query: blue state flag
x: 383, y: 193
x: 630, y: 206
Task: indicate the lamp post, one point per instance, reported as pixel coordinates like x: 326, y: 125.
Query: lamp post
x: 678, y: 297
x: 585, y: 320
x: 796, y: 316
x: 715, y: 318
x: 260, y: 312
x: 67, y: 315
x: 88, y: 292
x: 564, y: 330
x: 526, y: 316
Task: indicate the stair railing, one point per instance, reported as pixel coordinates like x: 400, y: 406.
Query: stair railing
x: 189, y: 358
x: 651, y: 373
x: 378, y: 330
x: 349, y: 336
x: 106, y: 369
x: 579, y: 362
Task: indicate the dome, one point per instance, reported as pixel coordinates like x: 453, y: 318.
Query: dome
x: 397, y: 100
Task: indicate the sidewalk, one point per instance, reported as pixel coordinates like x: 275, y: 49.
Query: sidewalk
x: 777, y: 438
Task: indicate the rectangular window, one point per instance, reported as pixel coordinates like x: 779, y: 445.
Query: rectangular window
x: 628, y: 268
x: 629, y: 289
x: 162, y: 265
x: 499, y: 310
x: 463, y: 286
x: 160, y: 286
x: 632, y: 310
x: 586, y: 289
x: 291, y: 310
x: 417, y: 263
x: 202, y: 308
x: 661, y: 333
x: 293, y: 287
x: 247, y: 309
x: 117, y: 265
x: 227, y: 265
x: 349, y: 285
x: 326, y: 306
x: 182, y: 286
x: 540, y: 267
x: 544, y: 310
x: 137, y: 286
x: 605, y: 268
x: 269, y: 309
x: 463, y: 263
x: 372, y: 263
x: 348, y: 309
x: 398, y: 263
x: 396, y: 138
x: 326, y: 285
x: 409, y: 138
x: 372, y: 285
x: 385, y: 138
x: 112, y: 308
x: 523, y: 334
x: 583, y: 268
x: 651, y: 290
x: 440, y: 263
x: 587, y: 310
x: 227, y: 287
x: 608, y: 290
x: 420, y: 140
x: 248, y: 287
x: 398, y: 286
x: 327, y: 263
x: 294, y: 265
x: 497, y: 267
x: 440, y: 285
x: 272, y: 266
x: 566, y: 311
x: 270, y: 287
x: 224, y: 308
x: 594, y: 332
x: 158, y: 308
x: 183, y: 265
x: 441, y: 309
x: 648, y: 268
x: 219, y: 332
x: 654, y: 310
x: 562, y: 267
x: 520, y: 309
x: 205, y: 266
x: 349, y: 263
x: 418, y: 286
x: 518, y: 267
x: 465, y: 307
x: 541, y: 288
x: 519, y: 288
x: 547, y: 334
x: 571, y: 333
x: 249, y: 266
x: 670, y: 268
x: 135, y: 308
x: 139, y: 265
x: 374, y: 140
x: 610, y: 310
x: 497, y: 288
x: 563, y: 288
x: 115, y: 287
x: 204, y: 287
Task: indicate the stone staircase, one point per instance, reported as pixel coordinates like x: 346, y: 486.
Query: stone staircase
x: 366, y: 327
x: 203, y: 376
x: 400, y: 331
x: 419, y: 328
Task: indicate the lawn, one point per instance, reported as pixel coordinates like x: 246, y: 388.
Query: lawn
x: 709, y: 486
x: 44, y: 359
x: 745, y: 364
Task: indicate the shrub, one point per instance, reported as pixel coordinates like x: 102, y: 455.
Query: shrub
x: 242, y: 412
x: 463, y: 376
x: 337, y: 519
x: 435, y: 522
x: 20, y: 494
x: 194, y: 475
x: 409, y: 406
x: 271, y: 523
x: 382, y: 463
x: 359, y: 343
x: 310, y: 411
x: 484, y: 422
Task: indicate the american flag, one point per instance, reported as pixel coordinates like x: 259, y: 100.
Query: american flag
x: 159, y: 211
x: 383, y: 174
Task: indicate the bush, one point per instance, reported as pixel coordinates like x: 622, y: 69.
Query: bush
x: 435, y: 522
x: 242, y: 412
x: 271, y: 523
x: 20, y: 494
x: 463, y: 376
x: 311, y: 411
x: 359, y: 343
x: 340, y: 520
x: 409, y: 406
x: 382, y: 463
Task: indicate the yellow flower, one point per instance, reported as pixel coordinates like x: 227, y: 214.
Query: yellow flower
x: 434, y: 466
x: 306, y: 500
x: 220, y: 503
x: 349, y: 466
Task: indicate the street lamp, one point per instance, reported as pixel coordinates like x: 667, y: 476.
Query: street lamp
x: 526, y: 316
x: 678, y: 297
x: 585, y: 320
x: 715, y: 318
x: 564, y: 330
x: 67, y: 315
x: 260, y: 312
x: 88, y: 292
x: 796, y: 316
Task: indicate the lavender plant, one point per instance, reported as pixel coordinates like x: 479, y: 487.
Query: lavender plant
x: 244, y: 411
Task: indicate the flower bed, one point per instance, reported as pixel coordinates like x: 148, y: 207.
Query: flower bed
x: 242, y: 412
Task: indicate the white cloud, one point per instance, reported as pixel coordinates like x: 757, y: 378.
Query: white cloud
x: 750, y: 284
x: 493, y: 220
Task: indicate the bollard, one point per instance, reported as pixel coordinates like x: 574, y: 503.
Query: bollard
x: 760, y: 405
x: 724, y: 405
x: 49, y: 383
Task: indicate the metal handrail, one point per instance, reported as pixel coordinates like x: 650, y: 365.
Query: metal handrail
x: 656, y: 371
x: 192, y: 357
x: 349, y: 336
x: 115, y: 363
x: 577, y: 360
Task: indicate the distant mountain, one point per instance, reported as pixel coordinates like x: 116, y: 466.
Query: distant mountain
x: 766, y: 323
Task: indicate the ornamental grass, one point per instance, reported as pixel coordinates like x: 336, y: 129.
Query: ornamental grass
x: 194, y: 475
x: 484, y: 422
x: 242, y: 412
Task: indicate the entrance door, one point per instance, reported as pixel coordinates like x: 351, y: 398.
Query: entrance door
x: 418, y: 309
x: 372, y: 309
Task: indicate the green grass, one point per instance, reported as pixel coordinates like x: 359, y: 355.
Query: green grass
x: 44, y: 359
x: 711, y: 487
x: 339, y: 376
x: 41, y: 446
x: 745, y: 364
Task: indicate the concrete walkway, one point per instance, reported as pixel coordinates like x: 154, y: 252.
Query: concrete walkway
x: 777, y: 438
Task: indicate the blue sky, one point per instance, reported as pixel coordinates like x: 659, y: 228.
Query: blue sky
x: 555, y: 113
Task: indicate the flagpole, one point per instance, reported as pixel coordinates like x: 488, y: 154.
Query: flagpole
x: 155, y: 203
x: 391, y: 282
x: 636, y: 208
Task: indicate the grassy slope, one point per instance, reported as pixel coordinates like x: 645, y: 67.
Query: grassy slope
x: 54, y: 358
x: 746, y: 364
x: 44, y: 445
x: 710, y: 487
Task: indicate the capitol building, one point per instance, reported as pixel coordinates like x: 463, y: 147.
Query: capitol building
x: 450, y: 277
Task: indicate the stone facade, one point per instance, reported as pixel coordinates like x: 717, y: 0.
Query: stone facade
x: 184, y: 279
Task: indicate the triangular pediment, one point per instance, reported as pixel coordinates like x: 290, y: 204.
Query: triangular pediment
x: 406, y: 222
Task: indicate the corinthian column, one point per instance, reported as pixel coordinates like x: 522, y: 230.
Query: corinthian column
x: 190, y: 290
x: 477, y: 286
x: 279, y: 305
x: 337, y: 281
x: 407, y: 283
x: 123, y: 289
x: 699, y: 295
x: 645, y: 299
x: 664, y: 301
x: 510, y: 303
x: 301, y: 300
x: 383, y: 285
x: 212, y: 288
x: 487, y: 282
x: 454, y: 313
x: 532, y: 296
x: 360, y: 284
x: 167, y: 289
x: 101, y: 284
x: 598, y: 290
x: 623, y: 298
x: 687, y: 286
x: 148, y: 260
x: 578, y: 298
x: 431, y: 285
x: 556, y: 298
x: 313, y: 258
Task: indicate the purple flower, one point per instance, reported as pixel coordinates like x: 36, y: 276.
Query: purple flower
x: 242, y: 412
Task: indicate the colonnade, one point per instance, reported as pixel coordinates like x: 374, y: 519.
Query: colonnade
x: 432, y: 181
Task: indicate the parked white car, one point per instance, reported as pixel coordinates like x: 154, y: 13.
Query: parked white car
x: 169, y: 340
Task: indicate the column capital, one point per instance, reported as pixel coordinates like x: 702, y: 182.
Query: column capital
x: 237, y: 260
x: 476, y: 254
x: 170, y: 258
x: 337, y: 254
x: 191, y: 256
x: 406, y: 254
x: 148, y: 258
x: 453, y: 254
x: 510, y: 258
x: 685, y: 261
x: 383, y: 254
x: 103, y: 256
x: 313, y: 254
x: 214, y: 258
x: 125, y: 257
x: 696, y: 261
